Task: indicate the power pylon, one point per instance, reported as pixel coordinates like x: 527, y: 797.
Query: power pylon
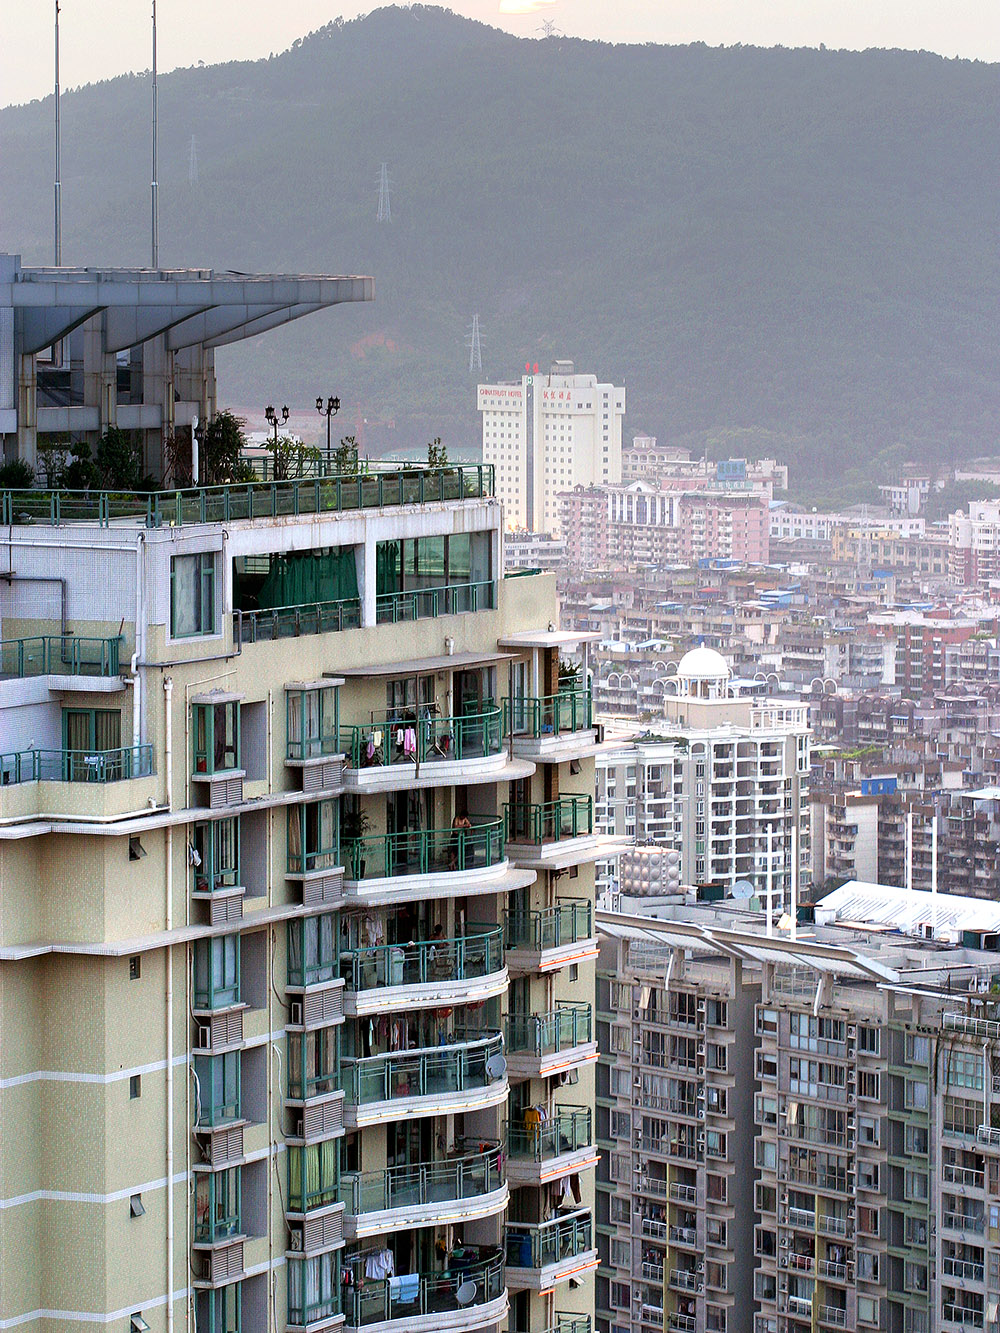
x: 384, y: 206
x: 475, y: 347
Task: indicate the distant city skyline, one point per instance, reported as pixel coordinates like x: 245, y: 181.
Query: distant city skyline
x: 102, y: 39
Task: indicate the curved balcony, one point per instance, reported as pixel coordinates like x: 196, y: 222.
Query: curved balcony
x: 554, y: 727
x: 541, y: 1254
x: 559, y: 1146
x: 454, y: 1190
x: 552, y: 835
x: 422, y: 749
x: 540, y: 1045
x: 430, y: 1302
x: 435, y: 1080
x: 551, y: 938
x: 425, y: 974
x: 428, y: 863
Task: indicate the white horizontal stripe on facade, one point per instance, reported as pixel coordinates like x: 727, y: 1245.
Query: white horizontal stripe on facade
x: 67, y: 1076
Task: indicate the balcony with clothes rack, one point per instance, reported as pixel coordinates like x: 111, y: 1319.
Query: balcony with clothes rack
x: 550, y: 938
x: 429, y: 863
x: 541, y: 1045
x: 553, y: 728
x: 547, y: 1146
x: 434, y: 1080
x: 424, y: 973
x: 465, y: 1185
x: 410, y: 747
x: 542, y: 1254
x: 468, y: 1295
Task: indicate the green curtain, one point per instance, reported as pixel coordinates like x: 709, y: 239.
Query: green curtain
x: 300, y: 578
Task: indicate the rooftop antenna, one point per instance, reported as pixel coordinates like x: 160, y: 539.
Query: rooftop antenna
x: 155, y: 222
x: 384, y: 207
x: 475, y: 348
x: 57, y: 185
x: 193, y: 162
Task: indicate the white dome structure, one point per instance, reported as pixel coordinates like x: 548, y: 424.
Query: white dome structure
x: 703, y: 673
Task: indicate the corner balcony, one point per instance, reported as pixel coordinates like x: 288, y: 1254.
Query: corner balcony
x: 436, y: 1080
x: 455, y: 1190
x: 552, y: 835
x: 78, y: 766
x: 425, y: 974
x: 76, y: 662
x: 542, y: 1254
x: 557, y: 1147
x: 554, y: 727
x: 540, y: 1045
x: 400, y: 750
x: 78, y: 784
x: 552, y: 937
x: 428, y: 863
x: 461, y: 1300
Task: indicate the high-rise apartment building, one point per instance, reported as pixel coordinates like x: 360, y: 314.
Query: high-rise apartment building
x: 296, y: 917
x: 548, y: 434
x: 801, y: 1134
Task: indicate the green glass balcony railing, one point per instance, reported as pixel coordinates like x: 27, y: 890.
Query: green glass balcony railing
x: 426, y: 1294
x: 424, y: 851
x: 465, y: 958
x: 397, y: 739
x: 224, y: 504
x: 569, y: 817
x: 568, y: 1130
x: 424, y: 1073
x: 567, y: 922
x: 76, y: 765
x: 550, y: 715
x: 470, y: 1176
x: 568, y: 1025
x: 291, y: 622
x: 60, y: 655
x: 538, y: 1244
x: 565, y: 1323
x: 450, y: 599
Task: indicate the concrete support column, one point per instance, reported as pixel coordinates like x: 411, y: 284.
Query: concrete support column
x: 27, y: 416
x: 100, y: 375
x: 365, y: 555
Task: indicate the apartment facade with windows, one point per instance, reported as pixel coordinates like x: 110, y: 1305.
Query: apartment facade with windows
x: 296, y: 918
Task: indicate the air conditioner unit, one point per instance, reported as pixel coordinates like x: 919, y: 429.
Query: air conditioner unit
x: 300, y: 1128
x: 784, y: 1242
x: 701, y: 1113
x: 701, y: 1286
x: 295, y: 1013
x: 297, y: 1240
x: 784, y: 1261
x: 203, y: 1037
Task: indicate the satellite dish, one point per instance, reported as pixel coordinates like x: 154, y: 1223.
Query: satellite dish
x: 496, y: 1066
x: 466, y: 1293
x: 742, y: 889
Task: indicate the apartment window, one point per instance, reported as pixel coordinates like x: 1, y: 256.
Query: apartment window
x: 718, y: 1013
x: 716, y: 1232
x: 868, y: 1265
x: 313, y: 841
x: 867, y: 1310
x: 621, y: 1209
x: 868, y: 1084
x: 965, y: 1070
x: 192, y: 595
x: 216, y: 736
x: 87, y: 735
x: 313, y: 1175
x: 218, y: 1311
x: 311, y: 952
x: 313, y: 1062
x: 313, y: 1289
x: 868, y: 1221
x: 217, y: 1205
x: 916, y: 1140
x: 215, y: 855
x: 621, y: 1296
x: 915, y: 1186
x: 767, y: 1020
x: 869, y: 1130
x: 620, y: 1039
x: 869, y: 1040
x: 918, y: 1049
x: 217, y: 972
x: 621, y: 1253
x: 218, y: 1087
x: 960, y: 1116
x: 312, y: 718
x: 621, y: 1125
x: 135, y: 1086
x: 915, y: 1095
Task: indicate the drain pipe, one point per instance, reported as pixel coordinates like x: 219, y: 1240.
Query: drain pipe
x: 168, y: 690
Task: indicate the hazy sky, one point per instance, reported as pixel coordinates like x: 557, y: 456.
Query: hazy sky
x: 102, y: 38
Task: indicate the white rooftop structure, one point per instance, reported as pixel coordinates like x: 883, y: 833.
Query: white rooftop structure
x: 911, y: 911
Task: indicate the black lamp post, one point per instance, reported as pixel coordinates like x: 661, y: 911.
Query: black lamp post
x: 328, y: 410
x: 273, y: 420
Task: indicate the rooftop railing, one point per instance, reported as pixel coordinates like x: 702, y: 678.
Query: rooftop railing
x: 538, y: 1244
x: 467, y: 1177
x: 398, y: 739
x: 224, y: 504
x: 76, y: 765
x: 424, y: 1073
x: 465, y: 958
x: 291, y: 622
x: 551, y: 821
x: 566, y: 1131
x: 409, y: 1297
x: 550, y: 715
x: 567, y: 922
x: 448, y: 599
x: 566, y: 1026
x: 424, y: 851
x: 60, y: 655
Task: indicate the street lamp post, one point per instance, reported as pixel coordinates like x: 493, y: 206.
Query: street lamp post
x: 274, y: 421
x: 329, y: 409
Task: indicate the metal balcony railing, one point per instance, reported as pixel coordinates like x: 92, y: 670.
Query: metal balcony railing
x: 551, y: 714
x: 466, y: 1177
x: 465, y: 958
x: 567, y: 922
x: 448, y: 599
x: 60, y: 655
x: 398, y: 738
x: 567, y: 1131
x: 291, y: 622
x: 383, y: 1300
x: 424, y: 851
x: 538, y: 1244
x: 568, y: 1025
x: 422, y: 1073
x: 551, y: 821
x: 76, y: 765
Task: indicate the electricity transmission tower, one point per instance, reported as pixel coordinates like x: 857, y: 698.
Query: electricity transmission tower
x: 384, y: 206
x: 475, y: 347
x: 549, y: 29
x: 193, y: 162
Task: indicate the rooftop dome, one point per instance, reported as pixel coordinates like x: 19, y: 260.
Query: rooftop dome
x: 703, y: 664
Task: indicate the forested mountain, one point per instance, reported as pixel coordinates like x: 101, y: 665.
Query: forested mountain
x: 783, y: 250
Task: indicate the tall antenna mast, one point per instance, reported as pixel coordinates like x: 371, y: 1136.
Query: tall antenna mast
x: 384, y: 207
x: 57, y: 186
x: 154, y: 221
x: 475, y: 349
